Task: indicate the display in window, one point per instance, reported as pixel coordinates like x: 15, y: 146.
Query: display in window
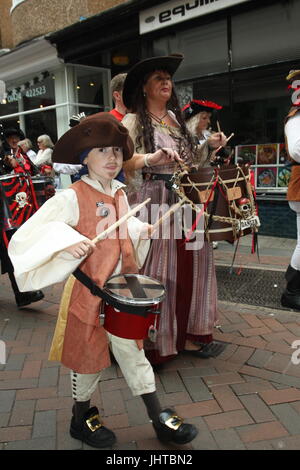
x: 283, y: 156
x: 284, y: 175
x: 267, y: 154
x: 266, y: 177
x: 246, y: 154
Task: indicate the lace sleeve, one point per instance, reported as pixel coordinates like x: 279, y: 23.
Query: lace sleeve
x: 130, y: 122
x: 201, y: 155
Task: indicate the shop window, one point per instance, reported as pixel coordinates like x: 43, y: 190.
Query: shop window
x: 37, y: 124
x: 212, y: 89
x: 204, y: 49
x: 260, y: 104
x: 39, y: 93
x: 89, y: 88
x: 123, y: 57
x: 44, y: 103
x: 255, y: 103
x: 266, y: 35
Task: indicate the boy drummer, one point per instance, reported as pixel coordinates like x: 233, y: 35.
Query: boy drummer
x: 50, y: 246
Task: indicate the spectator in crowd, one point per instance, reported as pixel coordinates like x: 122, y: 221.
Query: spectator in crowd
x: 26, y: 146
x: 43, y: 158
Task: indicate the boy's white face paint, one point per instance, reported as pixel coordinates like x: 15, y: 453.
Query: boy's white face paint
x: 104, y: 163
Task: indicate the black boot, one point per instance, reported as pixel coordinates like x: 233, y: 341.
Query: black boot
x: 87, y: 427
x: 24, y: 298
x: 167, y: 425
x: 291, y: 296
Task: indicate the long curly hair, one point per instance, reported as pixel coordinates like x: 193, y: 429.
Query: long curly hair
x: 145, y: 129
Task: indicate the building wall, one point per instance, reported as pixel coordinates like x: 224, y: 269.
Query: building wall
x: 277, y: 219
x: 6, y: 36
x: 96, y: 6
x: 34, y: 18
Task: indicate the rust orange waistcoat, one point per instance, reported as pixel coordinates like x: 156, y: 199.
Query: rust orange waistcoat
x: 85, y: 347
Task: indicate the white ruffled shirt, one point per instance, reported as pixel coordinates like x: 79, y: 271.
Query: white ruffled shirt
x: 292, y: 131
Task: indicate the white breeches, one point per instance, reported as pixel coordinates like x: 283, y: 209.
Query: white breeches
x: 133, y: 363
x: 295, y: 260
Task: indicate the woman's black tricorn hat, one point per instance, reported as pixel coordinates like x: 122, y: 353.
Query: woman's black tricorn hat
x: 13, y: 131
x: 136, y: 74
x: 198, y: 106
x: 103, y: 130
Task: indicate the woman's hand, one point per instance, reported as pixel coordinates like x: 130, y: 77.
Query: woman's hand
x: 81, y: 249
x: 216, y: 140
x: 162, y: 156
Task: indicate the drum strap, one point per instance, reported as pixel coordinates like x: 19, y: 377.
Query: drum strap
x: 96, y: 290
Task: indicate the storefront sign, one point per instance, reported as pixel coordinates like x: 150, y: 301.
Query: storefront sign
x: 13, y: 96
x: 34, y: 92
x: 176, y: 11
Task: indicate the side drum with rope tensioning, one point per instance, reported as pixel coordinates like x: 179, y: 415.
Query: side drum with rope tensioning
x: 224, y: 196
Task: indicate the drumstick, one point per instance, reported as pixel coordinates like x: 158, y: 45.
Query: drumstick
x: 168, y: 213
x: 219, y: 148
x: 120, y: 221
x: 218, y: 126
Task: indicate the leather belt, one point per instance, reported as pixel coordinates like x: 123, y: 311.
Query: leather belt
x: 157, y: 176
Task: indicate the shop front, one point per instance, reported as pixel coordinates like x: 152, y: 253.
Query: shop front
x: 41, y: 99
x: 238, y: 55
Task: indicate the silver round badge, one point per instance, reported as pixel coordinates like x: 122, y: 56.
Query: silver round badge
x: 104, y: 211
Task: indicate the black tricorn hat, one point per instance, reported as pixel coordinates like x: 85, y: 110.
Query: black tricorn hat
x: 13, y: 131
x: 197, y: 106
x: 93, y: 132
x: 136, y: 74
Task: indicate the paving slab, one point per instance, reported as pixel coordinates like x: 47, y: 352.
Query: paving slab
x: 247, y: 398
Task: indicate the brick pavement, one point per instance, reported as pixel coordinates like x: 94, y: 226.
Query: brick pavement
x: 247, y: 398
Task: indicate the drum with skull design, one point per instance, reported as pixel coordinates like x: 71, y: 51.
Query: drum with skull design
x: 17, y: 199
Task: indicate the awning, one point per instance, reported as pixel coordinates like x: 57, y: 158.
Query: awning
x: 28, y: 58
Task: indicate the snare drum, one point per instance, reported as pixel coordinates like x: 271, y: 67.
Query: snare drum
x: 132, y: 290
x: 43, y: 187
x: 18, y: 202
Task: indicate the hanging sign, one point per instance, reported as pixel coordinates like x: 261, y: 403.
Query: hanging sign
x: 176, y: 11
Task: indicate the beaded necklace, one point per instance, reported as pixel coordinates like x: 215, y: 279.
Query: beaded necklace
x: 158, y: 119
